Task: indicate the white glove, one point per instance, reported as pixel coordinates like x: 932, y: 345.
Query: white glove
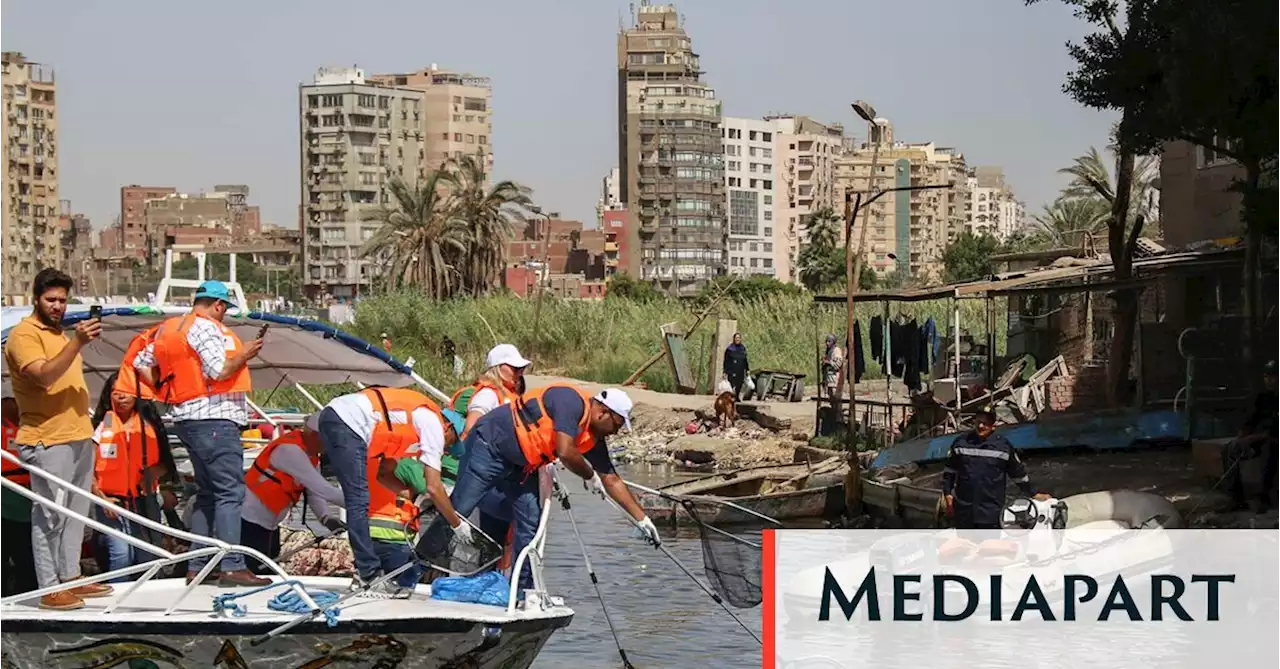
x: 463, y: 532
x: 648, y: 531
x: 594, y: 485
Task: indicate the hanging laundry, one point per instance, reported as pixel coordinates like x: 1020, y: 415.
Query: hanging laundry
x: 909, y: 354
x: 877, y: 340
x: 859, y: 360
x: 931, y: 332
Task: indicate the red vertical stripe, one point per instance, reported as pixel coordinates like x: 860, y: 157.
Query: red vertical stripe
x: 767, y: 584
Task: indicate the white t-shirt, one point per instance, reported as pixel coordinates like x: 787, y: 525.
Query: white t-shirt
x: 292, y: 460
x: 357, y: 412
x: 484, y: 401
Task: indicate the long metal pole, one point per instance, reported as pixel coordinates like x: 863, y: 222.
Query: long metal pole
x: 853, y: 272
x: 546, y: 268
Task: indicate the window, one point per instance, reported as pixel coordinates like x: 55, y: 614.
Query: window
x: 767, y: 137
x: 768, y: 248
x: 766, y: 153
x: 768, y: 232
x: 457, y: 118
x: 753, y: 247
x: 366, y: 100
x: 482, y: 139
x: 475, y: 104
x: 753, y: 183
x: 751, y: 135
x: 755, y: 262
x: 444, y: 136
x: 744, y: 212
x: 766, y: 168
x: 768, y: 185
x: 332, y: 100
x: 753, y: 168
x: 1209, y: 157
x: 768, y: 199
x: 457, y: 99
x: 751, y: 151
x: 768, y: 214
x: 471, y: 139
x: 768, y: 262
x: 313, y: 101
x: 457, y: 137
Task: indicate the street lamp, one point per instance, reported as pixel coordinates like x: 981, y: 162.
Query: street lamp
x: 853, y: 261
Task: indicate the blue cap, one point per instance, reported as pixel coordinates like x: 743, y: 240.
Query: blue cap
x: 456, y: 419
x: 216, y: 290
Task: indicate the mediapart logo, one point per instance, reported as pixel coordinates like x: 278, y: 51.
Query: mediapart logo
x: 1166, y: 592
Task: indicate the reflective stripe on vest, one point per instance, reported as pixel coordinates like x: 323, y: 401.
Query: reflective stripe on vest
x: 393, y: 433
x: 275, y: 489
x: 535, y: 431
x: 14, y: 472
x: 181, y: 376
x: 388, y: 514
x: 126, y: 451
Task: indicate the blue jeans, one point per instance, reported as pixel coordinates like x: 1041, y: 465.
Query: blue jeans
x: 218, y: 460
x: 486, y: 470
x: 120, y: 553
x: 348, y: 455
x: 393, y: 555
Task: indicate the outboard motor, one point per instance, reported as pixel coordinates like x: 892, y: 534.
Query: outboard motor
x: 1025, y: 513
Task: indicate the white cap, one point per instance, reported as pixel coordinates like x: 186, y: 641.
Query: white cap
x: 618, y: 402
x: 505, y: 354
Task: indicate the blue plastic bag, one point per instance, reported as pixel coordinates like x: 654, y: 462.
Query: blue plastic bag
x: 489, y: 588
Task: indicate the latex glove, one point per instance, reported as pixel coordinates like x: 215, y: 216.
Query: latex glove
x: 463, y: 532
x: 594, y: 485
x: 333, y: 524
x: 648, y: 531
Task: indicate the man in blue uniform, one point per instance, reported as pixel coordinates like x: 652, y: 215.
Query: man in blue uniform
x: 979, y: 466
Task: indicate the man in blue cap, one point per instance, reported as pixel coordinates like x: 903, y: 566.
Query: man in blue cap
x: 199, y: 367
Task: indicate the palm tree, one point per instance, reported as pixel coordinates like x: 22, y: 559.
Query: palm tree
x: 817, y: 258
x: 1069, y: 221
x: 1090, y: 179
x: 489, y: 214
x: 419, y: 241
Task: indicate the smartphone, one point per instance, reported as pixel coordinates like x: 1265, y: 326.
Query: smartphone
x: 95, y: 312
x: 263, y: 332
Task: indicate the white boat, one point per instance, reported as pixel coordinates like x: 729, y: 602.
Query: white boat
x: 163, y: 623
x: 172, y: 624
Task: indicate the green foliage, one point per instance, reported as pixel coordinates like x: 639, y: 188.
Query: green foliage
x: 968, y: 258
x: 623, y: 287
x: 748, y: 289
x: 252, y: 277
x: 822, y: 261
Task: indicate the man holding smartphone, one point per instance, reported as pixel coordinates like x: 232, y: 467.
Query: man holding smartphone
x: 54, y: 432
x: 199, y: 366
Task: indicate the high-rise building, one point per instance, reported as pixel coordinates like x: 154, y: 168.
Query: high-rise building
x: 457, y: 114
x: 356, y: 137
x: 751, y: 182
x: 909, y: 230
x: 992, y: 208
x: 30, y: 195
x: 610, y: 195
x: 806, y: 153
x: 670, y: 154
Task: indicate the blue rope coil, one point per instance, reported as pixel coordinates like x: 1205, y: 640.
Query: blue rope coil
x: 288, y: 601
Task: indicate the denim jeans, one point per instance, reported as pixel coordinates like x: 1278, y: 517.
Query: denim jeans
x: 262, y: 540
x: 393, y: 555
x: 486, y: 470
x: 217, y: 457
x: 120, y: 553
x: 348, y: 455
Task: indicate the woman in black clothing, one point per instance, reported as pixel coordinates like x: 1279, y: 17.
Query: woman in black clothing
x: 735, y: 365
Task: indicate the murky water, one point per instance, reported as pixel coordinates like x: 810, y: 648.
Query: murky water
x: 662, y: 618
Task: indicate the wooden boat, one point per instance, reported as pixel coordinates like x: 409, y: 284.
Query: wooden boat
x: 781, y: 492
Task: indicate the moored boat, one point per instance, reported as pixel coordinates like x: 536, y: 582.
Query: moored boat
x: 781, y: 492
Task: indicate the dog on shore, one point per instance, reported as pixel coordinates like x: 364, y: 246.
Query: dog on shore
x: 726, y: 409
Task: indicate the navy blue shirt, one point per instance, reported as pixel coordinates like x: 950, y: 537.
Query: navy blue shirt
x: 565, y: 407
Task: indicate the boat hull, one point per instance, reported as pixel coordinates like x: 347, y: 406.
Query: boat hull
x: 821, y: 502
x: 511, y: 645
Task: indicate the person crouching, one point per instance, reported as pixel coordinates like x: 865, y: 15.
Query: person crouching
x: 288, y: 467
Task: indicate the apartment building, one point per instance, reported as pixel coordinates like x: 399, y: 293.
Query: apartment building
x: 751, y: 177
x: 187, y: 222
x: 356, y: 136
x: 909, y: 230
x: 610, y: 195
x: 131, y: 229
x: 992, y: 207
x: 457, y: 112
x: 670, y: 154
x: 30, y: 197
x: 806, y: 153
x: 246, y: 219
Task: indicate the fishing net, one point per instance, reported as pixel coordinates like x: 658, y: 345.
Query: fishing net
x: 439, y: 547
x: 732, y: 553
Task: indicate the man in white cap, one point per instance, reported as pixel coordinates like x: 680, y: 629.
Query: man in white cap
x: 506, y: 447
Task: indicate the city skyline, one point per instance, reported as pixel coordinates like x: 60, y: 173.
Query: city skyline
x: 219, y: 104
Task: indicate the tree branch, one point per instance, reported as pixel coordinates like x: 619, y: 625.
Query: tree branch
x: 1208, y: 143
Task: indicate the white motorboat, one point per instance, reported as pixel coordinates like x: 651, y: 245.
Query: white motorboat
x: 171, y: 624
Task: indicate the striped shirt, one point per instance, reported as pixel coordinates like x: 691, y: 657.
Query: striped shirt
x: 206, y: 339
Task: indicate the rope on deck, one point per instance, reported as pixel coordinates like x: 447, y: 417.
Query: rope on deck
x: 288, y: 601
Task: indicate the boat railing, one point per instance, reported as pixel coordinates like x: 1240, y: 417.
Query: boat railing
x: 533, y: 555
x: 213, y: 548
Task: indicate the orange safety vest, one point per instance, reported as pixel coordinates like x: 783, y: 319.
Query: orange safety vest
x: 275, y: 489
x: 504, y: 396
x: 181, y: 372
x: 386, y: 509
x: 121, y: 464
x: 14, y: 472
x: 128, y: 381
x: 393, y: 439
x: 536, y: 433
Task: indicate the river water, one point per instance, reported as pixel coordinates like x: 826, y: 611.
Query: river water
x: 663, y: 619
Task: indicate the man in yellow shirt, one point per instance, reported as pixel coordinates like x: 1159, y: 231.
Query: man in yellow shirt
x: 54, y: 431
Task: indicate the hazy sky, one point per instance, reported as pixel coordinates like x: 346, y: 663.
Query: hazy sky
x: 193, y: 94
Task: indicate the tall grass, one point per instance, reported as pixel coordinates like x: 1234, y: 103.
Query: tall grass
x: 605, y: 341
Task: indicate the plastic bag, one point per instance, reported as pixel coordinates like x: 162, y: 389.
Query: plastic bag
x: 490, y: 588
x: 749, y: 385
